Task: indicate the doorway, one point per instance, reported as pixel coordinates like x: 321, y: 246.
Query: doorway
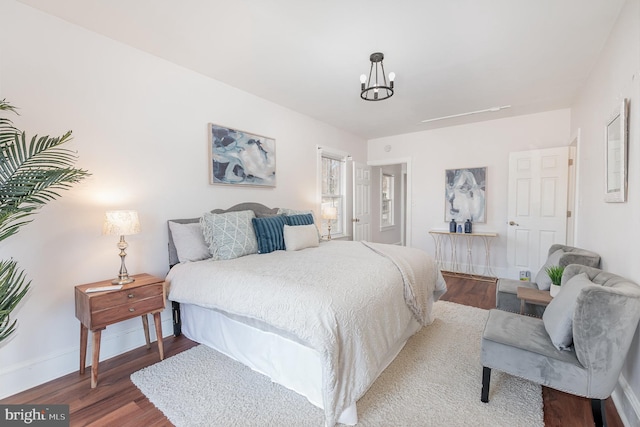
x: 391, y: 224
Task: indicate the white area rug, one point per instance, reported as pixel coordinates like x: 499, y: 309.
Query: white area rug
x: 435, y: 381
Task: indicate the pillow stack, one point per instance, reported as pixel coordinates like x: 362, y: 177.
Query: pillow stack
x: 235, y: 234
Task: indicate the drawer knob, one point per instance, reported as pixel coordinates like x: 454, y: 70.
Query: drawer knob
x: 132, y: 309
x: 130, y: 295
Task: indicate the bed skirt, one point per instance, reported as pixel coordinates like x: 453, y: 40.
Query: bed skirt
x: 286, y: 362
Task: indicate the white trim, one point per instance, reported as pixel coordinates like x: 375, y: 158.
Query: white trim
x: 627, y: 403
x: 408, y: 203
x: 577, y: 201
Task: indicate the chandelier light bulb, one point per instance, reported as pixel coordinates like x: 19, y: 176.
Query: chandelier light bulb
x: 363, y: 79
x: 392, y: 76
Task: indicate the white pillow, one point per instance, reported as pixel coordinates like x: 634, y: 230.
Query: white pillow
x: 558, y: 316
x: 298, y: 237
x: 229, y: 235
x: 189, y: 241
x: 542, y: 278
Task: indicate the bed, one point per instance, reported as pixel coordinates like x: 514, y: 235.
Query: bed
x: 323, y: 321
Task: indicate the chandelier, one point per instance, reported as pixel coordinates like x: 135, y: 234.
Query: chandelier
x: 376, y: 87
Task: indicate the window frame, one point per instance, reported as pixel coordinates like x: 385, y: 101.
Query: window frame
x: 338, y: 228
x: 391, y: 201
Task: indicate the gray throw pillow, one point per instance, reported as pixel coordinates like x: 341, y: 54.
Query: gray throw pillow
x: 189, y: 241
x: 558, y: 316
x: 542, y: 278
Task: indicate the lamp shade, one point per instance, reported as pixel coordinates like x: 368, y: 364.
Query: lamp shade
x: 121, y: 223
x: 330, y: 212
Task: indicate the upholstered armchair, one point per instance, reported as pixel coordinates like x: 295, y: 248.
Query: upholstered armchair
x: 579, y: 345
x: 506, y: 289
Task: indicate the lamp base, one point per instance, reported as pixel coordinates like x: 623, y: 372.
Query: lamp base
x: 123, y: 280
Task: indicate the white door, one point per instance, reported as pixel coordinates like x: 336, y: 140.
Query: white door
x: 537, y: 207
x: 361, y: 202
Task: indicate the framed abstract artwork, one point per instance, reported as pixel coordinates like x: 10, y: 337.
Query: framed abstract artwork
x: 464, y: 191
x: 241, y: 158
x: 616, y: 144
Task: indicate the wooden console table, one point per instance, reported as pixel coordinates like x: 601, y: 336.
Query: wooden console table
x: 450, y: 262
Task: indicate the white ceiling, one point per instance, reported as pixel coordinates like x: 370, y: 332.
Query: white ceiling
x: 450, y: 57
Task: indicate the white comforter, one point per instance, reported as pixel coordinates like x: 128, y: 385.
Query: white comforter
x: 342, y: 299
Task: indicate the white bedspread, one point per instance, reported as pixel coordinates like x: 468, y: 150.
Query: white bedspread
x: 342, y: 299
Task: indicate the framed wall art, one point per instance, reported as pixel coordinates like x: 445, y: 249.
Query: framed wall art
x: 241, y: 158
x: 464, y: 191
x: 615, y: 154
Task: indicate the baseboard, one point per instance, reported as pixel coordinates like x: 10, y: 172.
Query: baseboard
x: 34, y: 372
x: 627, y: 403
x: 474, y: 269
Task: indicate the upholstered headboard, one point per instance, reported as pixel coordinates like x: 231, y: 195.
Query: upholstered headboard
x: 259, y: 209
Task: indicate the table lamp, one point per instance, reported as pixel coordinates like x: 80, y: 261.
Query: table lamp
x: 329, y: 213
x: 122, y: 223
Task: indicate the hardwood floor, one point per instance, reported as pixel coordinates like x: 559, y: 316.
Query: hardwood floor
x: 560, y: 409
x: 117, y: 402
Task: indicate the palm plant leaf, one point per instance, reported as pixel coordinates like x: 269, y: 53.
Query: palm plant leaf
x: 31, y: 174
x: 12, y: 289
x: 7, y: 130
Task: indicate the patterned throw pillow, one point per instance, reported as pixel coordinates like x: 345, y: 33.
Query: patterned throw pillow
x: 269, y: 233
x: 302, y: 219
x: 229, y: 235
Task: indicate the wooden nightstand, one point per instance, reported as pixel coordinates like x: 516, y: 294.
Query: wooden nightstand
x: 97, y: 310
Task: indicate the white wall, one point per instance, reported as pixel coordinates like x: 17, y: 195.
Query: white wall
x: 612, y: 229
x: 475, y: 145
x: 140, y: 127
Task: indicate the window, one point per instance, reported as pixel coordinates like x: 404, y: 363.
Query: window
x: 333, y: 186
x: 386, y: 211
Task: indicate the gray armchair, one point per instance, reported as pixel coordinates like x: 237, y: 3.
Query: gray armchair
x: 562, y: 255
x: 580, y: 344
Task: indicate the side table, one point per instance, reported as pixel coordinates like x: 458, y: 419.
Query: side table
x: 97, y: 310
x: 533, y: 296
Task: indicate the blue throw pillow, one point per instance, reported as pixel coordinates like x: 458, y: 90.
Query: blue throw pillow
x: 302, y: 219
x: 269, y: 232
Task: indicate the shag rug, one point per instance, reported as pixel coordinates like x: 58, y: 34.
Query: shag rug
x: 435, y: 381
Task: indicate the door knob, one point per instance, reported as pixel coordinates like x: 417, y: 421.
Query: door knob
x: 514, y: 223
x: 355, y: 220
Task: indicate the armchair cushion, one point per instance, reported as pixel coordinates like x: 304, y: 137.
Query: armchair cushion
x: 542, y: 278
x: 558, y: 317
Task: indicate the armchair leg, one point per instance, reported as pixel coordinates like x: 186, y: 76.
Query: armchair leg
x: 599, y: 415
x: 486, y: 378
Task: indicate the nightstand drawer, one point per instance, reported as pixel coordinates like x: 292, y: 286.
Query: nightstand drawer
x: 126, y: 311
x: 125, y: 296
